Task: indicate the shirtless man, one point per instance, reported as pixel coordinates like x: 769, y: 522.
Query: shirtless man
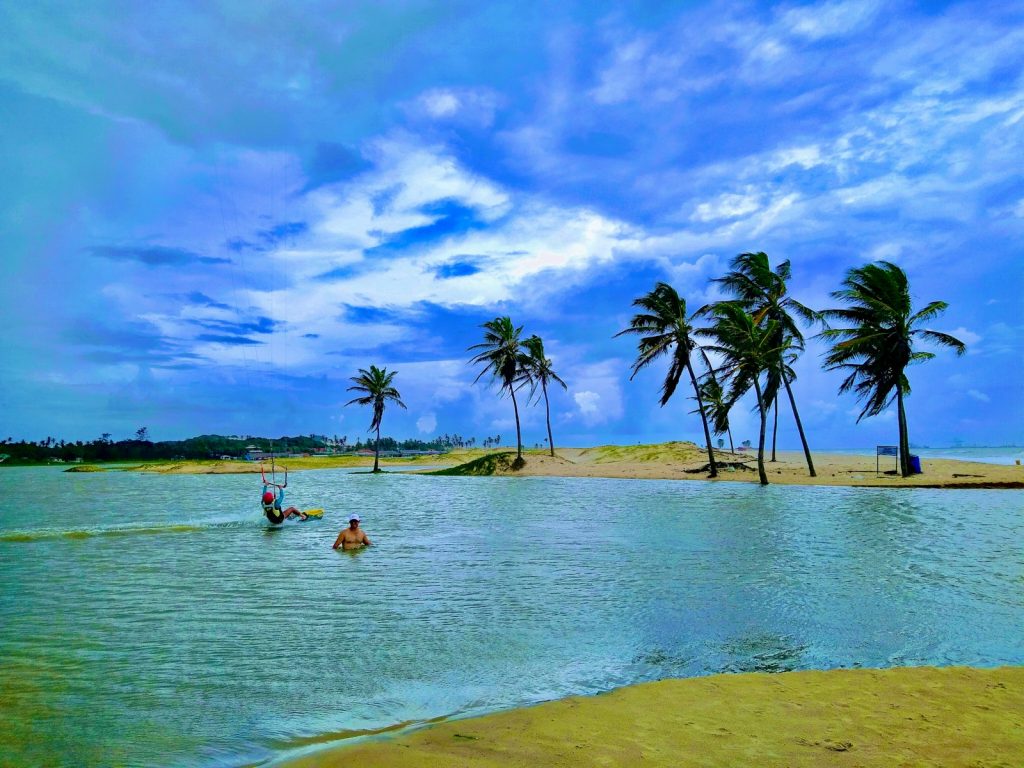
x: 352, y: 537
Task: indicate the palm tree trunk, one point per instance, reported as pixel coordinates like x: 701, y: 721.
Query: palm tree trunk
x: 800, y: 428
x: 519, y: 435
x: 732, y: 448
x: 376, y: 452
x: 547, y: 410
x: 704, y: 421
x: 904, y: 436
x: 775, y: 427
x: 760, y: 442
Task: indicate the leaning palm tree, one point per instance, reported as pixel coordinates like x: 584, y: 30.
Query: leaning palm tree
x: 377, y: 388
x: 664, y: 329
x: 538, y: 371
x: 877, y: 344
x: 762, y: 293
x: 502, y: 356
x: 715, y: 405
x: 748, y: 351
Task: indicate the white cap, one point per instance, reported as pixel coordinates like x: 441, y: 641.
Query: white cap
x: 355, y: 517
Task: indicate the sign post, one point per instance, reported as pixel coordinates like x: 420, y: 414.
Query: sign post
x: 886, y: 450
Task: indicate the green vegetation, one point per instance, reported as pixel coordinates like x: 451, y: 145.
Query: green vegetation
x: 375, y: 384
x: 485, y: 465
x: 878, y: 343
x: 85, y: 468
x: 657, y: 452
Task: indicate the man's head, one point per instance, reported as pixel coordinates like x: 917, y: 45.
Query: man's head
x: 268, y: 498
x: 353, y: 521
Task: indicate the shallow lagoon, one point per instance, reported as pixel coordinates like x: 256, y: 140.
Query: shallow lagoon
x: 156, y: 620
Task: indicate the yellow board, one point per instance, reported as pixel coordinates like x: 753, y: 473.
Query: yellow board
x: 314, y: 512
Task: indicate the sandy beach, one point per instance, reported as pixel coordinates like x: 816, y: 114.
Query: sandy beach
x: 912, y: 716
x: 685, y: 461
x: 663, y: 461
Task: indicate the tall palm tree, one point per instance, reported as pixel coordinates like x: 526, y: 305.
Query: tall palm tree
x: 748, y: 350
x: 377, y: 388
x: 762, y: 293
x: 538, y: 370
x: 664, y: 329
x: 502, y: 356
x: 878, y: 343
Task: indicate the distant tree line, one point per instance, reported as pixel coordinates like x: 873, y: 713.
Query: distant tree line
x: 140, y: 448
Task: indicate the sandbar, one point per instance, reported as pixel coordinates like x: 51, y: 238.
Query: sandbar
x: 686, y: 461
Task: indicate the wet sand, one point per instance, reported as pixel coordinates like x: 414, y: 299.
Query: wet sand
x: 915, y: 716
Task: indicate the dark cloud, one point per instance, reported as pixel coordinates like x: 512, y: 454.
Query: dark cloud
x: 219, y: 339
x: 238, y: 244
x: 129, y: 342
x: 333, y: 162
x: 282, y: 231
x: 340, y: 273
x: 154, y: 255
x: 202, y: 300
x: 461, y: 268
x: 356, y: 314
x: 451, y: 218
x: 260, y: 325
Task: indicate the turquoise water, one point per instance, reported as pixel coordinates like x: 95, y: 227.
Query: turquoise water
x: 156, y: 620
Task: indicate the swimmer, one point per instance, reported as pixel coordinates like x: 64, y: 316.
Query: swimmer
x: 272, y: 506
x: 352, y: 537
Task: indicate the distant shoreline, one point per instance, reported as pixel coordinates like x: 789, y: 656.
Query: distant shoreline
x: 662, y: 461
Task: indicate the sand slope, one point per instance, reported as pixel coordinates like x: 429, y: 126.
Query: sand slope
x: 897, y: 717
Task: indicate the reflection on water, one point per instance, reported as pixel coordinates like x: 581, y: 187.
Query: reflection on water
x: 148, y: 619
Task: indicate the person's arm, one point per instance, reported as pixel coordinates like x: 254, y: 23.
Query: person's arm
x: 366, y: 539
x: 337, y: 541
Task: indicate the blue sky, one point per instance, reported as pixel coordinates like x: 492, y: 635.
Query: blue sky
x: 213, y: 214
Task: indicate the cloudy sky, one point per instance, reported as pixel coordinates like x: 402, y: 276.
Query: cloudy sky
x: 213, y: 214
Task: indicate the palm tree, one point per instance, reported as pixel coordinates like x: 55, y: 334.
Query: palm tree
x: 538, y: 371
x: 664, y: 329
x: 377, y: 388
x: 762, y: 293
x: 878, y: 343
x: 748, y: 350
x: 715, y: 405
x: 503, y: 358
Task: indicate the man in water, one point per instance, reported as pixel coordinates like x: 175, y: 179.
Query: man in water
x: 352, y: 537
x: 272, y: 507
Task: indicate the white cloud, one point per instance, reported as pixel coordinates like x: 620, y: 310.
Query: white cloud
x: 427, y: 423
x: 727, y: 206
x: 476, y: 106
x: 587, y: 402
x: 440, y: 102
x: 815, y: 22
x: 969, y: 338
x: 979, y: 396
x: 596, y: 390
